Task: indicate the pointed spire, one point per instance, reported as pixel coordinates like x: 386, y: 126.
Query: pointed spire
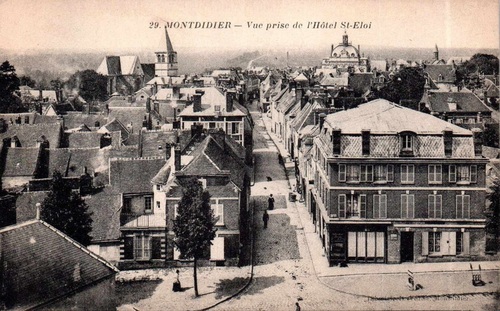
x: 167, y: 39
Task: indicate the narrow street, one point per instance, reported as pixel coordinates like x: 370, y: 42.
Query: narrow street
x: 284, y: 272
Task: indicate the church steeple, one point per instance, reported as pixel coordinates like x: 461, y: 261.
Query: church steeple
x: 166, y: 58
x: 436, y: 53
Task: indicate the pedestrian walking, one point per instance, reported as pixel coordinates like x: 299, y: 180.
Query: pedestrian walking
x: 270, y: 202
x: 176, y: 287
x: 265, y: 219
x: 297, y: 306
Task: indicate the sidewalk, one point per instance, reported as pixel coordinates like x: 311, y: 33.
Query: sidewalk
x: 387, y: 281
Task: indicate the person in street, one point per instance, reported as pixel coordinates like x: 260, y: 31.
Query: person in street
x: 270, y: 202
x: 177, y: 283
x: 265, y: 219
x: 297, y: 306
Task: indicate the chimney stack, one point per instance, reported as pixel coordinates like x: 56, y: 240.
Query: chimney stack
x: 230, y: 96
x: 365, y: 142
x: 176, y: 91
x: 478, y: 142
x: 177, y: 158
x: 197, y: 100
x: 322, y: 117
x: 168, y: 151
x: 448, y: 142
x: 38, y: 211
x: 336, y: 141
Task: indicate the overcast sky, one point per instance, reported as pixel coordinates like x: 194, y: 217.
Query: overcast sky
x: 125, y: 25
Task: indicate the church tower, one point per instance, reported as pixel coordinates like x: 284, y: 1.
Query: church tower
x: 436, y: 53
x: 166, y: 58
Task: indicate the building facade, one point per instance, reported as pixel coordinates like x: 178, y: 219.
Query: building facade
x: 394, y: 185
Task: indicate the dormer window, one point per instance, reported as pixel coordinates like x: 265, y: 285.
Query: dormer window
x: 440, y: 78
x: 407, y: 143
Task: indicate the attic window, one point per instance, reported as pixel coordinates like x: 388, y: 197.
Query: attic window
x: 440, y: 77
x: 407, y: 144
x: 452, y: 105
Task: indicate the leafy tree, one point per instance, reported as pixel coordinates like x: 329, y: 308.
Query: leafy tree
x: 490, y: 135
x: 194, y: 225
x: 89, y: 84
x: 9, y: 84
x: 493, y: 213
x: 67, y: 211
x: 408, y: 83
x: 478, y: 64
x: 27, y: 80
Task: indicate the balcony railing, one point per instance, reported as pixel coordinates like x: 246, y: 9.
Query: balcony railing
x: 143, y: 221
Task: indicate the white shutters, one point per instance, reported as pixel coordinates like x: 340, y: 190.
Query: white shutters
x: 453, y: 243
x: 217, y: 249
x: 218, y: 210
x: 342, y: 205
x: 466, y: 243
x: 425, y: 243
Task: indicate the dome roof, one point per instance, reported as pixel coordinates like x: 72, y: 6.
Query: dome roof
x: 344, y: 51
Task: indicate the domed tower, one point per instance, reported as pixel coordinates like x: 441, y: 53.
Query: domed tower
x: 166, y: 58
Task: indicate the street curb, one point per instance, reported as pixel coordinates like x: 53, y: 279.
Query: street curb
x: 403, y: 273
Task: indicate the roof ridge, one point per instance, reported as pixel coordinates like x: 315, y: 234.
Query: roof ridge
x: 17, y: 225
x: 124, y: 159
x: 73, y: 148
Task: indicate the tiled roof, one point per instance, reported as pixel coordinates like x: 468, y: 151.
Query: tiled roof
x: 45, y: 264
x: 28, y: 134
x: 381, y: 117
x: 105, y: 208
x: 305, y: 117
x: 447, y: 73
x: 21, y: 162
x: 466, y: 102
x: 114, y: 126
x: 26, y: 205
x: 134, y: 175
x: 153, y: 140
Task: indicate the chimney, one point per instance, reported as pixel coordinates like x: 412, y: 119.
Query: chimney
x: 299, y: 97
x: 336, y: 135
x: 176, y: 92
x: 448, y: 142
x: 322, y: 117
x: 197, y: 100
x: 177, y: 158
x: 230, y: 96
x: 478, y: 141
x: 40, y: 96
x: 14, y: 142
x: 38, y: 207
x: 168, y: 151
x: 365, y: 142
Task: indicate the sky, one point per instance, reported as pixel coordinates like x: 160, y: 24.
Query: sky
x: 70, y: 25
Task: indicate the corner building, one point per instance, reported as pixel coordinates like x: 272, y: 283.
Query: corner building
x: 393, y: 185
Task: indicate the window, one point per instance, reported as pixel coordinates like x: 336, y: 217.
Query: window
x: 366, y: 173
x: 380, y: 206
x: 463, y: 173
x: 406, y: 142
x: 218, y: 210
x: 127, y: 205
x: 407, y: 173
x: 407, y: 206
x: 356, y: 205
x: 342, y: 173
x: 435, y: 205
x: 463, y: 206
x: 158, y: 187
x: 434, y: 174
x: 158, y: 206
x: 142, y: 247
x: 217, y: 108
x: 352, y: 173
x: 148, y: 204
x: 176, y: 210
x: 434, y: 242
x: 235, y: 128
x: 384, y: 173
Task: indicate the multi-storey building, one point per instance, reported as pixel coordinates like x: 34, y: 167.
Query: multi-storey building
x: 393, y: 184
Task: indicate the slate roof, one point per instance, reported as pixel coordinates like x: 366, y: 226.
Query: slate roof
x: 212, y: 97
x: 72, y: 161
x: 75, y: 119
x: 21, y: 162
x: 26, y: 205
x: 134, y: 175
x: 47, y: 264
x: 384, y: 117
x: 129, y: 115
x: 210, y: 158
x: 28, y: 134
x: 114, y: 126
x: 105, y: 207
x: 466, y: 102
x: 148, y: 69
x: 152, y: 140
x: 305, y: 116
x: 447, y: 73
x: 84, y: 139
x: 120, y: 65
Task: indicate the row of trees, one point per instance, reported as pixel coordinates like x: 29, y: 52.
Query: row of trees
x: 89, y: 84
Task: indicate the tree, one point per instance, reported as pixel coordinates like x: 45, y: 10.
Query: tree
x: 478, y: 64
x: 26, y: 80
x: 89, y: 84
x: 408, y: 83
x: 67, y: 211
x: 9, y: 84
x: 194, y: 225
x: 493, y: 213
